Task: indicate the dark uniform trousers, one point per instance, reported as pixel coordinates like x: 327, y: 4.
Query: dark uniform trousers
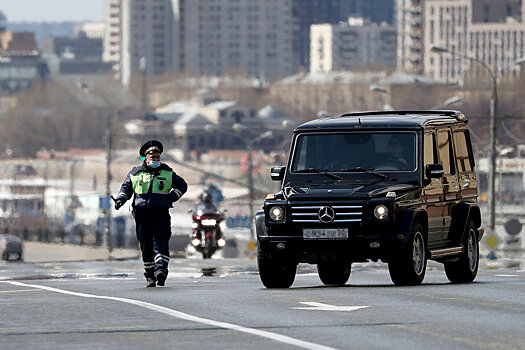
x: 153, y: 233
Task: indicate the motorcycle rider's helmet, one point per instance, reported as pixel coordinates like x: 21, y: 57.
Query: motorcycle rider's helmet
x: 206, y: 197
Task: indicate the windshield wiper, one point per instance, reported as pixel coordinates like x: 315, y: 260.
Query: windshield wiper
x: 319, y: 171
x: 359, y: 169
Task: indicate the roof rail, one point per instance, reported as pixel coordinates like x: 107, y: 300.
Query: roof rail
x: 449, y: 113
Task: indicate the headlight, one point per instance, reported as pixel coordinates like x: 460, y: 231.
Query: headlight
x: 209, y: 222
x: 381, y: 212
x: 276, y: 213
x: 195, y: 242
x: 221, y: 242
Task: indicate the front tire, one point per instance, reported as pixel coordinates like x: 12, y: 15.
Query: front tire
x: 409, y: 266
x: 275, y: 272
x: 334, y: 273
x: 466, y: 268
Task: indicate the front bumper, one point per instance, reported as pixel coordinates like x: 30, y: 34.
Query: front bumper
x: 361, y: 245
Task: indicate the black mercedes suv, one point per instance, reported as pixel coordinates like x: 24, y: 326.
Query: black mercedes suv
x: 395, y: 186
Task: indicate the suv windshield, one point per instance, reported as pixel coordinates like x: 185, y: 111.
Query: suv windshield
x: 342, y: 152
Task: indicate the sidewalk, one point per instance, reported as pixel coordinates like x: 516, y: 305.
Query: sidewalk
x: 36, y: 252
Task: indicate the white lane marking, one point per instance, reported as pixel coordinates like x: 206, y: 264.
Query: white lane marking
x: 505, y: 275
x: 184, y: 316
x: 327, y: 307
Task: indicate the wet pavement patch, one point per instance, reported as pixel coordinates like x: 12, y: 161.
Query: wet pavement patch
x: 75, y: 276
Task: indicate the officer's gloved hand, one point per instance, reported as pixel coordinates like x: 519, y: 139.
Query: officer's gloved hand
x: 118, y: 203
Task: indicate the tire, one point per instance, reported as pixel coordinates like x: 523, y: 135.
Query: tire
x: 274, y: 272
x: 334, y: 273
x: 20, y: 257
x: 466, y: 268
x: 409, y: 266
x: 5, y: 256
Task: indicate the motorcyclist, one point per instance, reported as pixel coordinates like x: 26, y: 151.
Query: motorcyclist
x: 206, y: 207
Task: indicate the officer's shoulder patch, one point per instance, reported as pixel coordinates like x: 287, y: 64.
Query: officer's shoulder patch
x: 165, y: 167
x: 135, y: 170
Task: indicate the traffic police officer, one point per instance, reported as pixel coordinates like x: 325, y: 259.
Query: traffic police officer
x: 155, y: 187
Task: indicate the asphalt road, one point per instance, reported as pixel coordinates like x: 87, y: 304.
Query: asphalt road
x: 91, y: 305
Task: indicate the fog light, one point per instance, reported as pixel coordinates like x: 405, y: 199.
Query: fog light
x: 276, y: 213
x: 281, y: 246
x: 381, y: 212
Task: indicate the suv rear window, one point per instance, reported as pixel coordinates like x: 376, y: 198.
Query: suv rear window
x: 340, y: 151
x: 462, y: 151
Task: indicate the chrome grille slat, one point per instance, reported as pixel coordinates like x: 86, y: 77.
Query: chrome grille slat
x: 304, y: 213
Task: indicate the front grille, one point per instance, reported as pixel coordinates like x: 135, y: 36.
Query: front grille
x: 302, y: 213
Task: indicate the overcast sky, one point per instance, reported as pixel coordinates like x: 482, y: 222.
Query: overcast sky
x: 53, y: 10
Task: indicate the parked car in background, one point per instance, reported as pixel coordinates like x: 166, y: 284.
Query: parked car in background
x: 11, y: 247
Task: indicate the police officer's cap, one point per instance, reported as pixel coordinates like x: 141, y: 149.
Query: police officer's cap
x: 150, y: 147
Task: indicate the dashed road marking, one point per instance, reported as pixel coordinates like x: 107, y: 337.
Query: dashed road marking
x: 327, y: 307
x: 184, y: 316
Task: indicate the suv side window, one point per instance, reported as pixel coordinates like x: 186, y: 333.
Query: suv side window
x: 462, y: 151
x: 429, y: 149
x: 445, y: 152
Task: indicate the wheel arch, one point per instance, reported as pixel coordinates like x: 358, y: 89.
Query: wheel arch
x: 260, y: 226
x: 408, y: 218
x: 461, y: 214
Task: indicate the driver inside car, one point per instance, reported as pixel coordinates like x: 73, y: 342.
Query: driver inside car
x: 397, y: 145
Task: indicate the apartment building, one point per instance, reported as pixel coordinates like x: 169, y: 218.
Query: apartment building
x: 221, y: 36
x: 489, y: 31
x: 306, y: 13
x: 92, y: 30
x: 112, y: 34
x: 200, y: 37
x: 149, y: 35
x: 357, y: 43
x: 410, y: 36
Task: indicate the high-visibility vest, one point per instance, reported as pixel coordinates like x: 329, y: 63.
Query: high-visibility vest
x: 161, y: 182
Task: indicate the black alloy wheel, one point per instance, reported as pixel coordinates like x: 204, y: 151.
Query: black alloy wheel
x: 465, y: 269
x: 275, y: 272
x: 409, y: 266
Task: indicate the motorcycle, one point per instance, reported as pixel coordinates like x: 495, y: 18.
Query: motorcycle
x: 206, y: 237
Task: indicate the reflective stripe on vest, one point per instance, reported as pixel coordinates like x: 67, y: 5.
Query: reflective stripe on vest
x: 161, y: 182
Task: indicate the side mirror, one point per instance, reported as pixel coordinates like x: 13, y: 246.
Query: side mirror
x: 277, y: 173
x: 434, y: 171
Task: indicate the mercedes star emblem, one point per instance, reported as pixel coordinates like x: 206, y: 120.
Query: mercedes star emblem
x: 326, y: 214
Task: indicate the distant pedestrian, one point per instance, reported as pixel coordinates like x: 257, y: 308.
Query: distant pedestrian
x: 154, y: 187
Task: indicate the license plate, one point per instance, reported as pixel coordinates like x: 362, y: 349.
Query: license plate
x: 325, y: 233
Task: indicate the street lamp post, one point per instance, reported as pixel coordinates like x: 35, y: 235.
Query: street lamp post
x: 493, y: 130
x: 446, y: 103
x: 249, y: 146
x: 108, y: 136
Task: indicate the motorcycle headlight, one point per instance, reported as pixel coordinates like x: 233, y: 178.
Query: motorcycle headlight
x: 209, y: 222
x: 381, y: 212
x: 276, y: 213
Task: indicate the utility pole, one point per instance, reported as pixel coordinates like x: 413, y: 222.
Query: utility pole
x: 108, y: 182
x: 142, y: 68
x: 250, y: 186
